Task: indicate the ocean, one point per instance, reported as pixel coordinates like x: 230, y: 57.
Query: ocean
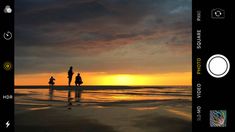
x: 102, y: 95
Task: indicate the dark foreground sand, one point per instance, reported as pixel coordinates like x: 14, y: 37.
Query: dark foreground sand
x: 124, y: 118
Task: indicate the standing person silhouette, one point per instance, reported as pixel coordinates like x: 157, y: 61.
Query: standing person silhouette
x: 70, y: 74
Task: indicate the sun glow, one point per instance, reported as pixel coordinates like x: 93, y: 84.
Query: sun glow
x: 124, y: 79
x: 183, y: 78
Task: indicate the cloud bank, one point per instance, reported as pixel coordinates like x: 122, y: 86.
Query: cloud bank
x: 112, y: 36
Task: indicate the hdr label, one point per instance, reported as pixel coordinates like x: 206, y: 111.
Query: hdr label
x: 7, y: 97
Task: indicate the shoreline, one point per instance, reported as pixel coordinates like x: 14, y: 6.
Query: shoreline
x: 98, y: 87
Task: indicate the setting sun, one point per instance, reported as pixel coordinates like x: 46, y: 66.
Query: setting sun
x: 123, y: 79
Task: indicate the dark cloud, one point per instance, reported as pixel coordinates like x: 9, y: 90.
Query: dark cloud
x: 52, y: 34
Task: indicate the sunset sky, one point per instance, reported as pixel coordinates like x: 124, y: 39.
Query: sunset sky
x: 110, y: 42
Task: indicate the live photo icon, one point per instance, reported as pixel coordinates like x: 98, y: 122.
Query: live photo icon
x: 218, y: 118
x: 7, y: 9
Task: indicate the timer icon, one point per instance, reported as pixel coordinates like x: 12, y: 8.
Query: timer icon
x: 7, y: 35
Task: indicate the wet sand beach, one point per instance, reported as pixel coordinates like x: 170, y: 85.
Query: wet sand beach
x: 120, y: 110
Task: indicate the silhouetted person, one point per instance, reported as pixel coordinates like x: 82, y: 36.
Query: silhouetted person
x: 51, y: 81
x: 78, y: 80
x: 51, y: 84
x: 70, y: 74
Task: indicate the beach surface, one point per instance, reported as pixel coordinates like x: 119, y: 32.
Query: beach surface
x: 137, y: 109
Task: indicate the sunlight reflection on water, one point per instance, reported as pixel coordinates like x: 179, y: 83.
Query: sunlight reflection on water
x: 143, y: 94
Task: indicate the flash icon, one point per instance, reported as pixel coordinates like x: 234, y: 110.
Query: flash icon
x: 7, y: 124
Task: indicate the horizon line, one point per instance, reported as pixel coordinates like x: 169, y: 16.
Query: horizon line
x: 101, y: 85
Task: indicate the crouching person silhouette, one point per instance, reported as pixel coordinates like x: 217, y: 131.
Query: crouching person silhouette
x: 78, y: 80
x: 51, y: 81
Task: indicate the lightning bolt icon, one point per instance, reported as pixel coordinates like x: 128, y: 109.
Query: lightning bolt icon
x: 7, y: 124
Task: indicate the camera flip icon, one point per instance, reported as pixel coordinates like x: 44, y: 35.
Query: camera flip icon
x: 217, y: 13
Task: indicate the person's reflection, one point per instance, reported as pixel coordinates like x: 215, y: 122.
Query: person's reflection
x: 69, y: 97
x: 78, y: 94
x: 51, y: 92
